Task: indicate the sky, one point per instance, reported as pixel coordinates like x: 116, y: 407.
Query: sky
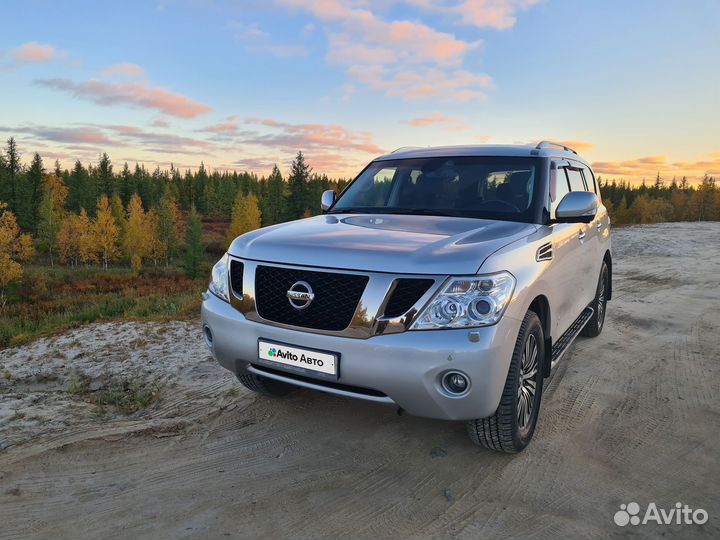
x: 634, y: 87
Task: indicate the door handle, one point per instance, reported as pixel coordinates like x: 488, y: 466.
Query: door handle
x: 599, y: 224
x: 581, y: 235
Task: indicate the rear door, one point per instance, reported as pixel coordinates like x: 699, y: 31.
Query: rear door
x: 599, y: 229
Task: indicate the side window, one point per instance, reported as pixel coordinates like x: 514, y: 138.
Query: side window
x: 561, y: 189
x: 589, y: 180
x: 576, y: 180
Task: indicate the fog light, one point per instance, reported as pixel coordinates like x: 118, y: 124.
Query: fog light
x: 208, y: 336
x: 455, y: 382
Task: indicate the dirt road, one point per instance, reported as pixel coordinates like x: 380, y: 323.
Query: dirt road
x: 631, y: 416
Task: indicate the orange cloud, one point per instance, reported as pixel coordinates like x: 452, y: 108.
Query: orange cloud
x: 377, y: 53
x: 221, y: 128
x: 497, y: 14
x: 423, y: 83
x: 126, y: 70
x: 648, y: 167
x: 137, y: 94
x: 307, y: 137
x: 578, y: 146
x: 35, y: 52
x: 450, y: 123
x: 160, y: 122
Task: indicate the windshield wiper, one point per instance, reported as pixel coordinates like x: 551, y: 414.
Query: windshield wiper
x: 421, y: 212
x: 349, y: 211
x: 395, y: 211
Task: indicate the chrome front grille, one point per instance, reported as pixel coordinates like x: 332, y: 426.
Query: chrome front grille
x: 336, y: 297
x: 345, y: 303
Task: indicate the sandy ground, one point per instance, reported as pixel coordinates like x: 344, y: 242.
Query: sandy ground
x: 630, y: 416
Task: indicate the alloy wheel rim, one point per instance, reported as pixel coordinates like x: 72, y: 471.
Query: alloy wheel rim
x: 601, y: 300
x: 528, y: 381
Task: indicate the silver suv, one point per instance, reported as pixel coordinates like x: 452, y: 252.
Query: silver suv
x: 447, y: 282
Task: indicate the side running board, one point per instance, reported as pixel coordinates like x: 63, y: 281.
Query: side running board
x: 561, y: 345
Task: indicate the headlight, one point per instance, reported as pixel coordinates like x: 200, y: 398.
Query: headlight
x: 219, y: 280
x: 468, y: 301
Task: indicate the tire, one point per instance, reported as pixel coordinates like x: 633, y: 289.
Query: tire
x: 509, y: 430
x: 595, y: 324
x: 265, y: 386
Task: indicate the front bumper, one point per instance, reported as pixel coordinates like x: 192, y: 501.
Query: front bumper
x: 403, y: 369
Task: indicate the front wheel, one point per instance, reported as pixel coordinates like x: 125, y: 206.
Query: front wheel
x: 512, y: 426
x: 595, y: 324
x: 265, y: 385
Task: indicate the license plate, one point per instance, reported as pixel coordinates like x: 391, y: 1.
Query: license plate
x: 297, y: 357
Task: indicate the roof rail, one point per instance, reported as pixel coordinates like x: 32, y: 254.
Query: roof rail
x: 545, y: 144
x: 406, y: 148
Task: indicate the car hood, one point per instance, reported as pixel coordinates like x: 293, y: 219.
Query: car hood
x: 404, y: 244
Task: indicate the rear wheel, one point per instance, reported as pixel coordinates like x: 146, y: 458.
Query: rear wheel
x: 512, y: 426
x: 595, y: 325
x: 265, y: 386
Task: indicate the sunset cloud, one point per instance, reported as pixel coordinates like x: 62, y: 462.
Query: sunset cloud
x: 125, y: 70
x: 648, y: 167
x: 294, y: 137
x: 160, y: 122
x: 377, y: 53
x: 38, y: 53
x: 436, y: 119
x: 136, y: 94
x: 226, y: 127
x: 256, y: 40
x: 75, y: 135
x: 578, y: 146
x: 497, y: 14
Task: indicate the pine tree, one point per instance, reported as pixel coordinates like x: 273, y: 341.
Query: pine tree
x: 298, y: 187
x: 245, y: 216
x: 274, y: 199
x: 106, y: 231
x: 14, y: 249
x: 194, y: 246
x: 29, y: 194
x: 105, y: 180
x: 51, y: 214
x: 127, y: 185
x: 12, y: 171
x: 78, y: 186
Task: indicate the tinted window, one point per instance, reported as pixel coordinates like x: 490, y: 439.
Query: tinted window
x: 479, y: 186
x: 576, y: 181
x: 589, y: 179
x: 561, y: 189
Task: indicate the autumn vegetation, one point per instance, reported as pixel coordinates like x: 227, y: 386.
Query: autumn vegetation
x: 93, y: 243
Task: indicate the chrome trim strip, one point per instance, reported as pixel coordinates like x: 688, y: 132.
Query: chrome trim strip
x: 378, y: 399
x: 367, y: 321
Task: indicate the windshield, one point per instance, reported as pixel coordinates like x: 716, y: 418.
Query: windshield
x: 474, y: 186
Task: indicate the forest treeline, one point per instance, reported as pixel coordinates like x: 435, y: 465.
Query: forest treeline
x: 100, y: 214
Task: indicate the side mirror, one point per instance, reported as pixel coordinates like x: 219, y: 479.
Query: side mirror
x: 577, y: 207
x: 327, y: 200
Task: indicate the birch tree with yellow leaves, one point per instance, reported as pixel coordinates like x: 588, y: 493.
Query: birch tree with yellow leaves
x: 14, y: 249
x: 138, y: 235
x: 106, y: 232
x: 246, y: 216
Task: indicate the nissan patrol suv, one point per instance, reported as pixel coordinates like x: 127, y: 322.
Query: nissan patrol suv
x: 447, y: 282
